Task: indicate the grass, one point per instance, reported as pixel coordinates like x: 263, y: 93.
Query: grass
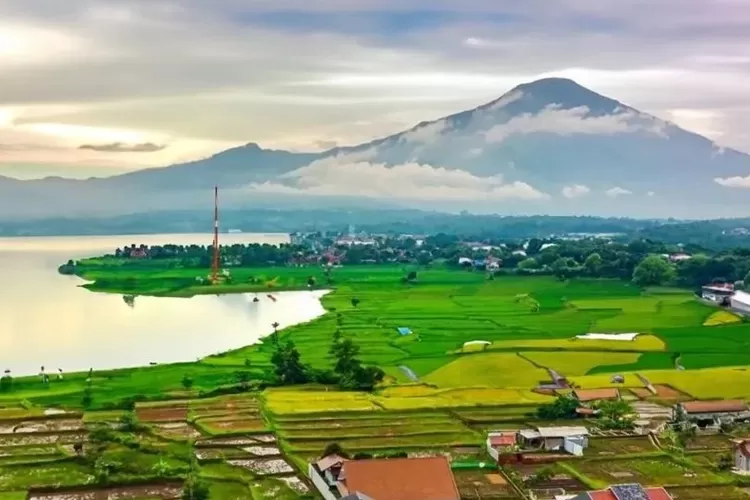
x: 488, y: 369
x: 648, y: 471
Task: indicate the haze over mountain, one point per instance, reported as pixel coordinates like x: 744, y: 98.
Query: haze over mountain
x: 549, y: 146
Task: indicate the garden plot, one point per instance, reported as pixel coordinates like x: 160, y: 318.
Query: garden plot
x: 41, y: 439
x: 652, y: 471
x: 150, y: 491
x: 602, y: 447
x: 177, y: 430
x: 236, y: 441
x: 295, y: 484
x: 263, y: 467
x: 708, y: 493
x: 44, y: 426
x: 709, y: 442
x: 479, y: 484
x: 44, y: 475
x: 499, y: 414
x: 558, y: 477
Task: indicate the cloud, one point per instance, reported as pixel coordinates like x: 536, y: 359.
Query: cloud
x: 119, y: 147
x: 575, y: 191
x: 348, y: 175
x: 555, y: 120
x: 734, y: 182
x: 426, y: 133
x: 617, y: 191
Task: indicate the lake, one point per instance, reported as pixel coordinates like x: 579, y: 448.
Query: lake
x: 47, y: 320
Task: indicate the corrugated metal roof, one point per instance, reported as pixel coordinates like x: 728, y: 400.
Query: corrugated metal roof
x: 562, y: 431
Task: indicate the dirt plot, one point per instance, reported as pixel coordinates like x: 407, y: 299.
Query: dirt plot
x: 478, y: 484
x: 652, y: 471
x: 177, y: 430
x: 669, y: 392
x: 708, y: 493
x: 41, y: 439
x: 150, y: 491
x: 600, y: 447
x: 162, y: 414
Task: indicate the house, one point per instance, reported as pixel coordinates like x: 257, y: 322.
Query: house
x: 402, y: 330
x: 465, y: 261
x: 570, y: 439
x: 679, y: 257
x: 519, y: 253
x: 591, y: 395
x: 428, y: 478
x: 740, y: 302
x: 711, y: 413
x: 500, y: 442
x: 625, y: 492
x: 742, y: 456
x: 719, y: 293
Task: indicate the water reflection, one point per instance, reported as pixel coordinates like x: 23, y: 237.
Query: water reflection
x: 47, y: 319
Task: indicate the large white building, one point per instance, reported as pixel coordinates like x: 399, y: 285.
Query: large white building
x: 740, y: 301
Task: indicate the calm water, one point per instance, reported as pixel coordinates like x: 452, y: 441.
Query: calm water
x: 47, y: 320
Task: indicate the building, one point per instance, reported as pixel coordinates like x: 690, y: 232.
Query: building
x: 711, y: 413
x: 740, y: 302
x: 337, y: 478
x: 742, y: 456
x: 625, y: 492
x: 572, y: 440
x: 591, y: 395
x: 719, y: 293
x: 403, y: 330
x: 499, y: 443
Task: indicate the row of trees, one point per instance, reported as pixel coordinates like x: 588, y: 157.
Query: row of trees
x: 348, y: 372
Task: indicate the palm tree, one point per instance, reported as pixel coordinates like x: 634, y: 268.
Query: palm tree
x: 275, y: 326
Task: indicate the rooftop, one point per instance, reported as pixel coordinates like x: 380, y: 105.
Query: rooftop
x: 596, y: 394
x: 554, y: 432
x: 743, y: 447
x: 502, y: 438
x: 402, y: 479
x: 734, y: 405
x: 626, y: 492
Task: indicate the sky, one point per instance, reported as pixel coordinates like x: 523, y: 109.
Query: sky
x: 100, y: 87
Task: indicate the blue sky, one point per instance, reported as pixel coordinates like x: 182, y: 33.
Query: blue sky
x: 193, y: 77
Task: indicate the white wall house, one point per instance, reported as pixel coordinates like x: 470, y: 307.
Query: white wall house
x: 742, y: 457
x: 740, y: 301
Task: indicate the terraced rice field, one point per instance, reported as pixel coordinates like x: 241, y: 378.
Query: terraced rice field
x: 648, y: 471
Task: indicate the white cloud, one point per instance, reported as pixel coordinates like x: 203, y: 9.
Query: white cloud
x: 508, y: 98
x: 617, y: 191
x: 427, y: 133
x: 347, y: 175
x: 734, y: 182
x: 571, y: 121
x: 650, y: 193
x: 575, y: 191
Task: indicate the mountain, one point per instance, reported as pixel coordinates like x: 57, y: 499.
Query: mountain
x: 549, y: 146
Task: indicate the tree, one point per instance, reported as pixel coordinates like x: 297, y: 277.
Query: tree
x: 275, y: 326
x: 288, y: 366
x: 725, y: 463
x: 345, y: 353
x: 187, y: 382
x: 334, y: 449
x: 593, y: 264
x: 615, y: 414
x: 355, y: 301
x: 528, y: 264
x: 311, y: 282
x: 6, y: 382
x: 129, y: 422
x: 564, y: 407
x: 88, y: 398
x: 653, y: 270
x: 195, y: 488
x: 243, y: 379
x: 411, y: 277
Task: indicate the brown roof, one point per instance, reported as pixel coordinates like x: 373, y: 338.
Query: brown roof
x: 402, y: 479
x: 734, y: 405
x: 595, y: 394
x: 744, y: 447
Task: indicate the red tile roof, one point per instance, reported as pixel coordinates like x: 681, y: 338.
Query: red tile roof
x: 504, y: 439
x: 728, y: 406
x: 402, y: 479
x: 596, y: 394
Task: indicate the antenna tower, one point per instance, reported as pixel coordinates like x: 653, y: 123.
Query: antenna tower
x: 215, y: 261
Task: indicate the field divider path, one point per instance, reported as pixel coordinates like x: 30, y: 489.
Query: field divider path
x: 409, y: 373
